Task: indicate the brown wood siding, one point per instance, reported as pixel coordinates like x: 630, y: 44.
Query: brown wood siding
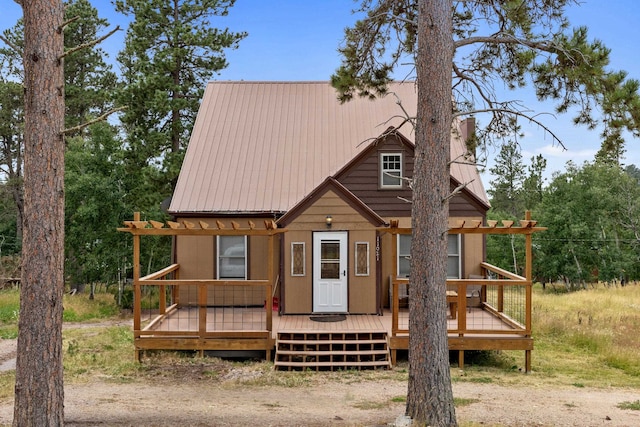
x: 298, y: 289
x: 362, y: 179
x: 463, y: 205
x: 362, y: 289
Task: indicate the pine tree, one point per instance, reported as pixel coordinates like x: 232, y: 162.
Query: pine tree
x: 171, y: 50
x: 515, y: 42
x: 89, y: 81
x: 39, y: 391
x: 506, y: 190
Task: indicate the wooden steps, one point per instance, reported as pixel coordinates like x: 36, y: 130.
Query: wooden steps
x: 331, y: 350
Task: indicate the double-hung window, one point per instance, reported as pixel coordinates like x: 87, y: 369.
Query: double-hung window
x: 390, y: 170
x: 232, y: 257
x: 454, y: 264
x: 404, y: 255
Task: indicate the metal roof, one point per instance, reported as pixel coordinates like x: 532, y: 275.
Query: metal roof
x: 263, y: 146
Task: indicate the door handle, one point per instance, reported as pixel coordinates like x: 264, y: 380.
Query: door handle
x: 344, y: 273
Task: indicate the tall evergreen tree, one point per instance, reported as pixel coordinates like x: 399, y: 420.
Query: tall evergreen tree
x: 39, y: 391
x: 89, y: 87
x: 11, y: 151
x: 171, y: 50
x: 506, y: 188
x: 517, y: 42
x: 533, y: 185
x: 90, y: 82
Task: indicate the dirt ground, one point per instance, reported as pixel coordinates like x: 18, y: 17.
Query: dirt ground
x: 189, y: 396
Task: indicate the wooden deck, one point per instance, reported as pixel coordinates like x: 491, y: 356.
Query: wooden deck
x: 182, y: 325
x: 186, y: 320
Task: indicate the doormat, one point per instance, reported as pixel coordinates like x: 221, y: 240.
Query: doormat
x: 329, y: 318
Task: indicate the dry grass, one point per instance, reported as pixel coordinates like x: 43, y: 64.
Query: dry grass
x: 585, y: 338
x: 582, y: 339
x: 591, y: 334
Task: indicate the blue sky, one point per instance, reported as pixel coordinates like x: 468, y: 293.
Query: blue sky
x: 292, y: 40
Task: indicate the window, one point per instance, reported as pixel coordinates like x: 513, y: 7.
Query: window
x: 232, y: 257
x: 453, y: 256
x: 404, y: 255
x: 390, y: 170
x: 297, y: 258
x: 362, y: 258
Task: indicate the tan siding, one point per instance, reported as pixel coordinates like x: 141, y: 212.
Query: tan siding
x: 197, y: 259
x: 362, y: 289
x: 299, y: 290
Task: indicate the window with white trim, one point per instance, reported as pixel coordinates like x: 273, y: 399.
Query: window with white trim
x: 454, y: 258
x: 390, y: 170
x: 232, y: 257
x: 454, y: 265
x: 404, y: 255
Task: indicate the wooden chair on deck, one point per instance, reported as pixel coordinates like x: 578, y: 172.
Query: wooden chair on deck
x: 474, y: 291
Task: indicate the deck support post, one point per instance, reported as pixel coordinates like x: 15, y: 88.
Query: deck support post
x: 527, y: 361
x: 461, y: 359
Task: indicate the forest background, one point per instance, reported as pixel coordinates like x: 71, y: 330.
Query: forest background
x: 130, y: 162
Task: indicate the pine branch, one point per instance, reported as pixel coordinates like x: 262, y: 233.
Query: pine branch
x: 456, y: 190
x: 532, y: 119
x: 89, y: 44
x: 64, y: 24
x: 11, y: 45
x: 91, y: 122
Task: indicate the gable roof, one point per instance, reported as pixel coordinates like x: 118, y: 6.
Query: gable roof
x: 261, y: 147
x: 330, y: 184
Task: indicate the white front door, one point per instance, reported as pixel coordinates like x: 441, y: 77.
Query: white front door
x: 330, y: 272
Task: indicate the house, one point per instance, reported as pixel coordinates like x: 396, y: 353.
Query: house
x: 290, y: 152
x: 331, y: 183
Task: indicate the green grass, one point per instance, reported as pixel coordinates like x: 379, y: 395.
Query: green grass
x: 9, y: 309
x: 582, y: 339
x: 103, y: 351
x: 634, y: 406
x: 459, y: 401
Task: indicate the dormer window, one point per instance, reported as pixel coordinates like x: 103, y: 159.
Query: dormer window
x: 390, y: 170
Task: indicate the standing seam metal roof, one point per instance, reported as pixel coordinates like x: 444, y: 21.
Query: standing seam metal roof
x: 263, y: 146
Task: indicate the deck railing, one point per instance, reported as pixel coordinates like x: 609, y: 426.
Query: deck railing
x: 157, y: 299
x: 205, y: 326
x: 504, y: 296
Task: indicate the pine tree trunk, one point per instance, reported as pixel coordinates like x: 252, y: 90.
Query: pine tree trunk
x: 430, y: 398
x: 39, y: 376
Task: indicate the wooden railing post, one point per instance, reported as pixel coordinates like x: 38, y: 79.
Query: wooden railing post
x: 269, y: 290
x: 462, y: 308
x: 395, y: 307
x: 528, y: 275
x: 136, y: 278
x: 162, y: 299
x: 202, y: 311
